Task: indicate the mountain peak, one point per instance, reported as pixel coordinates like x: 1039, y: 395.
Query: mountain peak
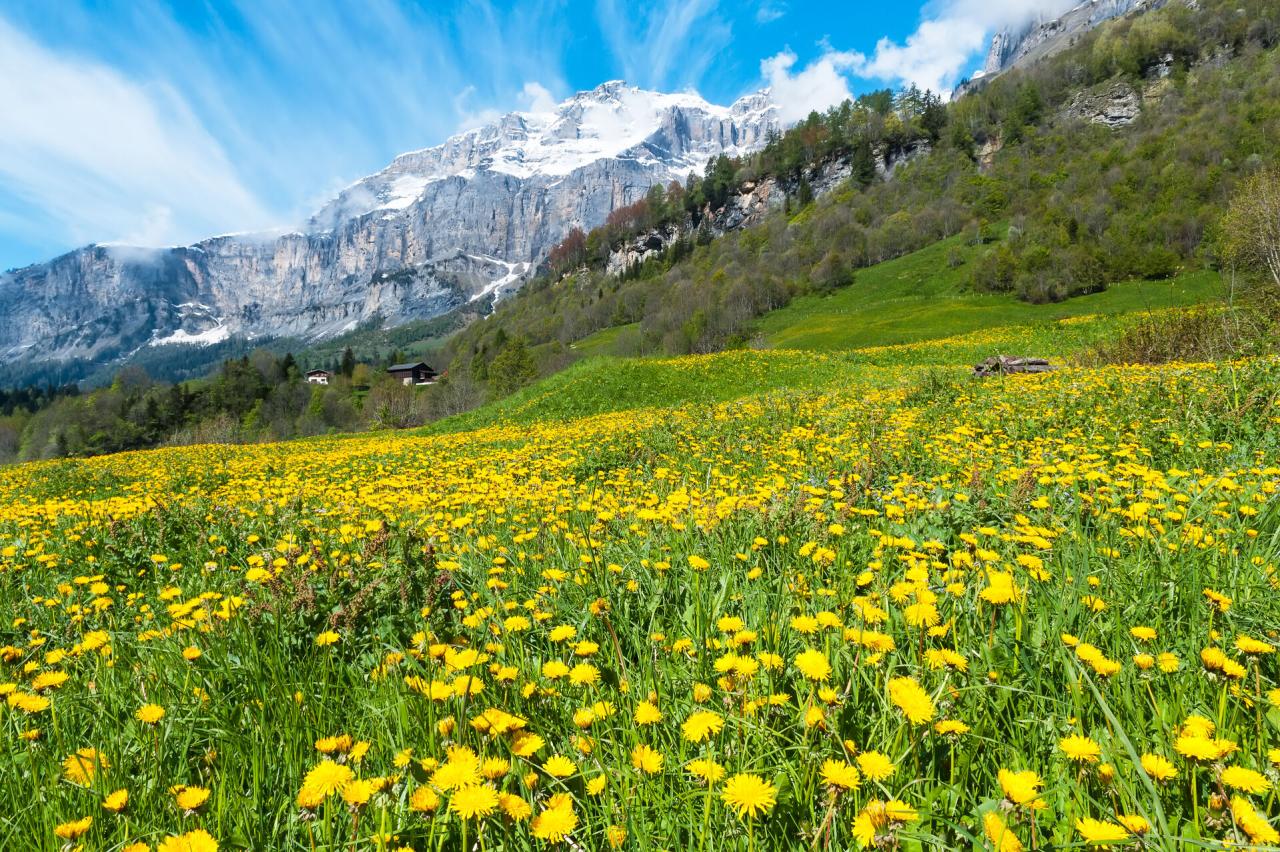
x: 615, y: 120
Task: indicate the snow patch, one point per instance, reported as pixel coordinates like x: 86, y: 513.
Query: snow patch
x: 499, y: 287
x: 208, y: 337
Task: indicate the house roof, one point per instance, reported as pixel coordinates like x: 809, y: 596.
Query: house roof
x: 317, y: 372
x: 411, y: 366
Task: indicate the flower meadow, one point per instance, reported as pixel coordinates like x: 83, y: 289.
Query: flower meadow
x: 926, y: 612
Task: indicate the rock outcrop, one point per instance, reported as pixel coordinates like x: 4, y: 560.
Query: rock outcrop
x: 1117, y: 104
x: 751, y: 204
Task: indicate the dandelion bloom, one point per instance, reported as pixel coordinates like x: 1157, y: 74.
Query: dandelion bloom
x: 74, y: 829
x: 911, y: 698
x: 701, y: 725
x: 1021, y: 788
x: 358, y: 793
x: 81, y: 767
x: 951, y: 727
x: 875, y: 765
x: 1245, y: 780
x: 1252, y: 823
x: 191, y: 653
x: 190, y: 798
x: 1135, y: 823
x: 193, y: 841
x: 584, y: 674
x: 813, y: 664
x: 1159, y: 768
x: 646, y: 759
x: 526, y: 744
x: 1095, y: 831
x: 877, y: 816
x: 327, y: 638
x: 706, y: 769
x: 556, y: 821
x: 516, y: 808
x: 841, y: 774
x: 326, y: 778
x: 749, y: 794
x: 647, y: 713
x: 1253, y: 647
x: 558, y: 766
x: 1080, y: 749
x: 149, y: 714
x: 116, y: 801
x: 424, y: 800
x: 1197, y: 748
x: 474, y: 801
x: 1001, y: 836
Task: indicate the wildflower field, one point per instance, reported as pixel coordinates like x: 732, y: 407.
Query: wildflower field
x: 895, y: 609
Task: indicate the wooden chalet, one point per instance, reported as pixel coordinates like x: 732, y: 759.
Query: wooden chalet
x: 413, y: 374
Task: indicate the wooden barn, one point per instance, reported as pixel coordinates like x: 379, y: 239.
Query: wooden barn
x: 413, y: 374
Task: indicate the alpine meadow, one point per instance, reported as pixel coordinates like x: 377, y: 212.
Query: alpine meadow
x: 906, y: 477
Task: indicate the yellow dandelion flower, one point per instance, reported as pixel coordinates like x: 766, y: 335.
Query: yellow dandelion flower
x: 749, y: 795
x: 701, y: 725
x: 911, y: 698
x: 474, y: 801
x: 813, y: 664
x: 74, y: 829
x: 646, y: 759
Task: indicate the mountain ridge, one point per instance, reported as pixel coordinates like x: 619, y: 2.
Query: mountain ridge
x: 435, y: 229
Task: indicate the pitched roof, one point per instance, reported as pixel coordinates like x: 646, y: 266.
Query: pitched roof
x: 411, y: 366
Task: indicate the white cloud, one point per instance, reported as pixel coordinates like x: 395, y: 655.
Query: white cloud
x: 817, y: 86
x: 535, y: 97
x: 770, y: 11
x: 110, y: 158
x: 950, y: 35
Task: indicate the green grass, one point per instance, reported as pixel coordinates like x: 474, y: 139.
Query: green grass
x: 609, y: 341
x: 920, y: 297
x: 603, y: 384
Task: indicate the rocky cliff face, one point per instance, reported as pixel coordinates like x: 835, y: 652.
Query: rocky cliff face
x: 435, y: 229
x: 1045, y: 35
x: 751, y: 205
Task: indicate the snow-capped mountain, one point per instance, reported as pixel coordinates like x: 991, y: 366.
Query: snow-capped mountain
x: 433, y: 230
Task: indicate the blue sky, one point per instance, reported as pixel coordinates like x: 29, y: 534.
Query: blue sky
x: 161, y: 123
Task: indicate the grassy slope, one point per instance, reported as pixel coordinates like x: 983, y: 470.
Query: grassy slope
x: 920, y: 297
x: 911, y: 312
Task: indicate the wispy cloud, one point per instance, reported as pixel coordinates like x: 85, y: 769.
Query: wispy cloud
x: 669, y: 44
x: 770, y: 10
x: 110, y: 157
